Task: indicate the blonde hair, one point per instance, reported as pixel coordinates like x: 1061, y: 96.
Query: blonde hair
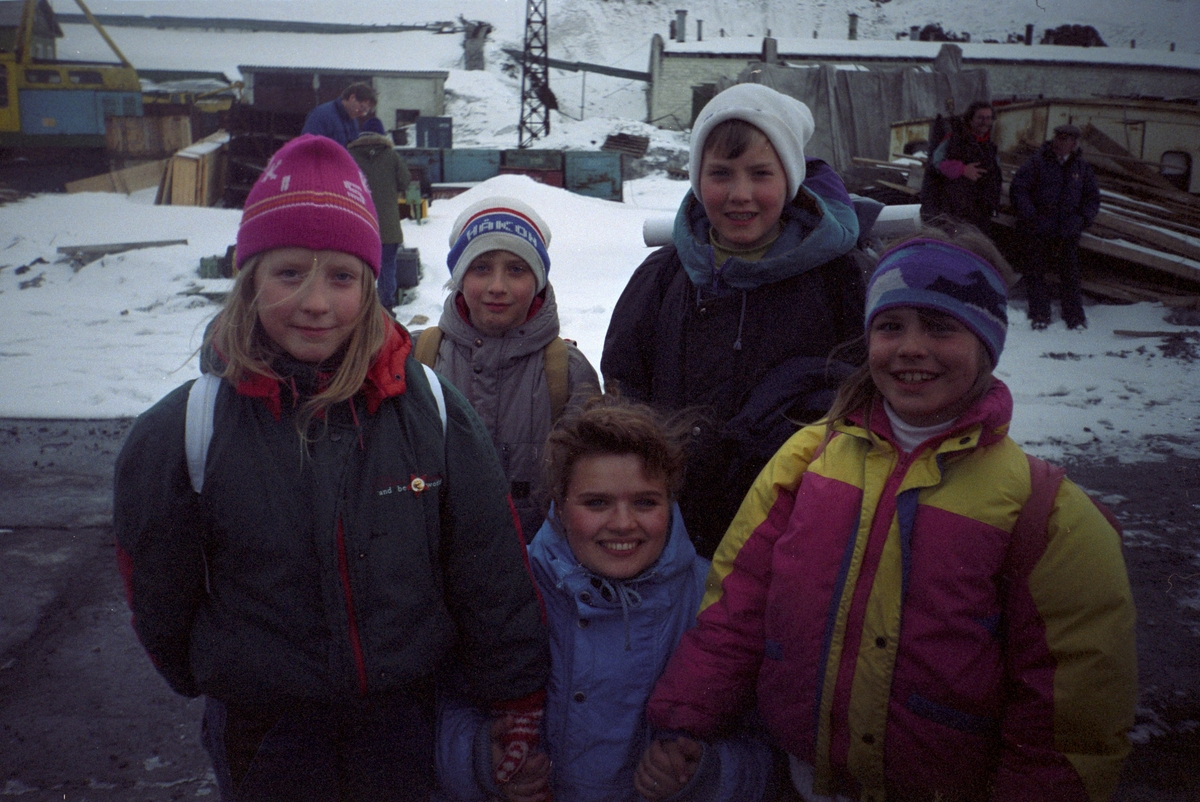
x: 858, y: 391
x: 242, y: 347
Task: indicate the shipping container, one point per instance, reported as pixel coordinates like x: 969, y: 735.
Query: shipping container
x: 552, y: 178
x: 593, y: 173
x: 428, y: 161
x: 531, y: 159
x: 469, y: 164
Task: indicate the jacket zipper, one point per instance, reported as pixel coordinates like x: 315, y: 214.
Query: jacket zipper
x: 355, y: 644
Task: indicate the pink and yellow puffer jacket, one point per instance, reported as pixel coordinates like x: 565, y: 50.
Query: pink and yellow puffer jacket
x: 896, y: 643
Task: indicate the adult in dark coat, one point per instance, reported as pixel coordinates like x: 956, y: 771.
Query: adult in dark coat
x: 338, y: 119
x: 963, y: 179
x: 1056, y: 197
x: 388, y: 177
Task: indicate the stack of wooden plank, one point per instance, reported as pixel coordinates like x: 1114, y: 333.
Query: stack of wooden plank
x: 126, y: 180
x: 195, y: 176
x: 1144, y: 220
x: 147, y: 137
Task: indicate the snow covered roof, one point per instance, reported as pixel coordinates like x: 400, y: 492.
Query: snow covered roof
x: 903, y: 49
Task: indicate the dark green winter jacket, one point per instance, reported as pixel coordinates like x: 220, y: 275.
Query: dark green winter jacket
x: 387, y: 176
x: 386, y: 557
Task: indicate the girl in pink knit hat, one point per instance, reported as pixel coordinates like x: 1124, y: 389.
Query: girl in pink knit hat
x: 319, y: 529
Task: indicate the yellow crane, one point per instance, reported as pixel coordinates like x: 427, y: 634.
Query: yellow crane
x: 49, y: 103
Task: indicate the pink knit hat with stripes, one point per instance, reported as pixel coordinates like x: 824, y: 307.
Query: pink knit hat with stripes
x: 312, y: 195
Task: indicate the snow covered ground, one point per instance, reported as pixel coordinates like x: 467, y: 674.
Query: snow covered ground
x: 111, y: 337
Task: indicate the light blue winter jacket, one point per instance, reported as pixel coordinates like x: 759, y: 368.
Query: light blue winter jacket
x: 609, y: 642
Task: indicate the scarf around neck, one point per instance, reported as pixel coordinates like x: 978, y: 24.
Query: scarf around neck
x: 808, y: 240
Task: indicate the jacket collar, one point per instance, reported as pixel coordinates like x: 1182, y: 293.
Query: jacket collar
x: 539, y: 328
x: 984, y: 423
x: 551, y: 557
x: 385, y: 378
x: 809, y: 239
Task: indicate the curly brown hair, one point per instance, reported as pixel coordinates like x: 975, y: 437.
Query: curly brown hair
x: 610, y: 424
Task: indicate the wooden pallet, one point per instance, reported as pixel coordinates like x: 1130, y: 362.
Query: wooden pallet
x: 195, y: 176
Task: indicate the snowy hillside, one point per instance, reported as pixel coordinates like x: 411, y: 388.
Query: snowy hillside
x: 617, y: 33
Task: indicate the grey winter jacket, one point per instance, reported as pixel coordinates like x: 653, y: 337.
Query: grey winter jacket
x: 504, y: 378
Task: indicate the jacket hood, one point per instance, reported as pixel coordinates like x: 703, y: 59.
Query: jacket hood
x: 370, y: 142
x: 529, y: 337
x: 808, y: 240
x: 554, y: 563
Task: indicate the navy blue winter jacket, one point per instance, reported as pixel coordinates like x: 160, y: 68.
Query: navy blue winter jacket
x: 331, y: 120
x: 1052, y: 198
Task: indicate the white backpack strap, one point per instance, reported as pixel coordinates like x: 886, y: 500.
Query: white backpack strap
x: 198, y: 431
x: 435, y: 384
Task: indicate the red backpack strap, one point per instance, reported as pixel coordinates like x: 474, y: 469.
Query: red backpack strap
x: 1029, y: 533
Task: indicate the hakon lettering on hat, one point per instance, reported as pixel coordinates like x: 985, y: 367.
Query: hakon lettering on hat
x: 499, y: 224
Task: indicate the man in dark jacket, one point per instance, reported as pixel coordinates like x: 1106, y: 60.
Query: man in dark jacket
x: 963, y: 178
x: 1056, y: 197
x: 338, y: 119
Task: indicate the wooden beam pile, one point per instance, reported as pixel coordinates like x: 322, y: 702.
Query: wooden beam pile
x: 1144, y: 220
x: 195, y: 176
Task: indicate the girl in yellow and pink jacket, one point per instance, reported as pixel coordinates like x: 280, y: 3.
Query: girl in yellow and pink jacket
x: 923, y: 611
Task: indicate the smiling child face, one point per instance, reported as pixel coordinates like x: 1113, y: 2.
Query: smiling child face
x: 616, y: 517
x: 924, y: 363
x: 744, y: 197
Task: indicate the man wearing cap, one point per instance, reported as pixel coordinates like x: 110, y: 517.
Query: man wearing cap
x: 1056, y: 197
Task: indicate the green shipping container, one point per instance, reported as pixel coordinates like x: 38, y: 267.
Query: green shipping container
x: 469, y: 164
x: 594, y: 173
x: 427, y: 160
x: 530, y: 159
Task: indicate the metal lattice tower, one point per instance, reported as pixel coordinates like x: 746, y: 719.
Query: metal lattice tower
x: 535, y: 76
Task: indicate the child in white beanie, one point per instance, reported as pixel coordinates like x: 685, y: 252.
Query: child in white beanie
x: 497, y: 340
x: 739, y: 314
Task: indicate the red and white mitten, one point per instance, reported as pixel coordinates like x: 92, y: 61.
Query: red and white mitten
x: 523, y: 736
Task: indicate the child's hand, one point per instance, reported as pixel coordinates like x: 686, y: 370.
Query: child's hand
x: 973, y: 172
x: 530, y: 782
x: 667, y: 767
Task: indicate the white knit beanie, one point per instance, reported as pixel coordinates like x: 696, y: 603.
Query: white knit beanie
x: 499, y: 224
x: 787, y: 123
